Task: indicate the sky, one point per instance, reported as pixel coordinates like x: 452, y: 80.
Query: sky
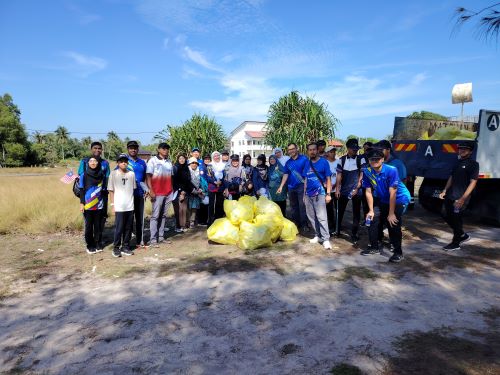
x: 133, y: 66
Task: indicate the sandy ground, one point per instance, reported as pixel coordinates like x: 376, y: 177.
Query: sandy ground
x: 294, y: 310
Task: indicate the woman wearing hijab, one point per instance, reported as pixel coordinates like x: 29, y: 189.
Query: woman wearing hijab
x: 275, y: 174
x: 215, y: 177
x: 198, y: 193
x: 247, y: 166
x: 183, y: 186
x: 91, y: 203
x: 235, y: 179
x: 260, y: 177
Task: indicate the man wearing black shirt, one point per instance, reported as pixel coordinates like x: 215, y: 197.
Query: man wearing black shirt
x: 457, y: 193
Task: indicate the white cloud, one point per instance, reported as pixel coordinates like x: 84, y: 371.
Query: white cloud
x: 85, y: 65
x: 84, y: 17
x: 198, y: 58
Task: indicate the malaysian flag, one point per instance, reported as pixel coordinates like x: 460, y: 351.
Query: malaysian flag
x: 69, y: 177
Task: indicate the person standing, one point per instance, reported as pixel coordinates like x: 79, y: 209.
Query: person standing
x: 260, y: 177
x: 276, y: 172
x: 317, y: 185
x: 331, y: 153
x: 249, y: 169
x: 457, y: 193
x: 182, y: 187
x: 138, y: 166
x: 349, y: 177
x: 390, y: 159
x: 195, y: 153
x: 159, y: 181
x: 121, y: 188
x: 203, y: 210
x: 235, y: 179
x: 387, y: 199
x: 197, y: 194
x: 216, y: 172
x: 293, y: 176
x: 321, y: 144
x: 96, y: 152
x: 91, y: 203
x: 225, y: 157
x: 282, y: 159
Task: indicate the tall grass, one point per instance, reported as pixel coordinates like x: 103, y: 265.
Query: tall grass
x: 37, y: 204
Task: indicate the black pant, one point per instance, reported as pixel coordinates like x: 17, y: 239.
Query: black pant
x: 215, y: 206
x: 202, y: 214
x: 124, y: 222
x: 364, y: 202
x: 356, y: 208
x: 395, y: 236
x: 282, y: 205
x: 331, y: 212
x: 139, y: 219
x: 92, y: 227
x: 454, y: 220
x: 104, y: 216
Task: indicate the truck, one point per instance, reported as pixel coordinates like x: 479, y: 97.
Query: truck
x: 429, y: 149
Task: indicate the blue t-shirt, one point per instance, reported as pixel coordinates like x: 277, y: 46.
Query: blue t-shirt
x: 382, y: 181
x: 314, y: 186
x: 294, y: 169
x: 399, y: 165
x: 139, y: 168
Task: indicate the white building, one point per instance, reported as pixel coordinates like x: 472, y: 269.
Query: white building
x: 248, y: 138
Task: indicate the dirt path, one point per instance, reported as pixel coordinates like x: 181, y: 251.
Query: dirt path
x: 298, y: 310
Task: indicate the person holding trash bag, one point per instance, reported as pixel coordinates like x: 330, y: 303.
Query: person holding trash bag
x: 235, y: 179
x: 387, y: 199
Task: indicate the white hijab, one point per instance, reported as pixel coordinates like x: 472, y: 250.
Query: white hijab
x: 219, y: 166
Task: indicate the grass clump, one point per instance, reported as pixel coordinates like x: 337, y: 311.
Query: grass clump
x: 362, y: 272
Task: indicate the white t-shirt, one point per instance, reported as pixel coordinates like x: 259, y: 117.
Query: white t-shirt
x: 122, y: 185
x: 333, y: 168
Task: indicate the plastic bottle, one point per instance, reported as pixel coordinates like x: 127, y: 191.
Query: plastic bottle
x: 368, y: 221
x: 351, y: 194
x: 456, y: 209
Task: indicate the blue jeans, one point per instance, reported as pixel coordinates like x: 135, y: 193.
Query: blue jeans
x: 296, y: 197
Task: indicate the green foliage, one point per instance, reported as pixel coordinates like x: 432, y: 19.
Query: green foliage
x: 298, y: 119
x: 425, y: 115
x: 13, y: 137
x: 199, y: 131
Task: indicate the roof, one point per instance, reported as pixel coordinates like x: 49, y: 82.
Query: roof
x: 240, y: 126
x: 144, y: 152
x: 335, y: 143
x: 255, y: 134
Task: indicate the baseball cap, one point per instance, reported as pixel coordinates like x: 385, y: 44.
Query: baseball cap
x: 467, y: 144
x: 352, y: 143
x: 132, y: 144
x: 121, y: 157
x: 375, y: 153
x: 164, y: 145
x: 330, y: 148
x: 195, y: 149
x: 193, y: 160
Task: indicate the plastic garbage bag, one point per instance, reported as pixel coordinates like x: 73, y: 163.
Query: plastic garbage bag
x: 266, y: 207
x: 289, y: 230
x: 273, y: 222
x: 223, y: 232
x: 237, y: 212
x: 253, y: 236
x: 248, y: 199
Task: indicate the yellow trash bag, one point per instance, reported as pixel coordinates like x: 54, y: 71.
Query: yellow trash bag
x: 253, y: 236
x: 273, y: 222
x: 266, y: 207
x: 248, y: 200
x: 289, y: 230
x: 223, y: 232
x: 237, y: 212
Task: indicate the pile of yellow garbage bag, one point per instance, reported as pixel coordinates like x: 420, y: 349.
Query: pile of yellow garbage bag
x: 251, y: 223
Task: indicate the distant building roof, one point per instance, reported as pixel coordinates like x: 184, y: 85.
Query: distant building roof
x: 143, y: 152
x: 255, y: 134
x: 335, y: 143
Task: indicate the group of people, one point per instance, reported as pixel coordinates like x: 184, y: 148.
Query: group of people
x: 318, y: 187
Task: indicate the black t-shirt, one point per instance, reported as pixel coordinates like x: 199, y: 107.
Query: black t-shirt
x: 464, y: 171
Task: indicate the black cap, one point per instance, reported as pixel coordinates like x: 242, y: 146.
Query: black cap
x: 467, y: 144
x: 384, y: 144
x: 121, y: 157
x: 164, y: 145
x: 321, y: 142
x: 132, y: 144
x: 195, y: 149
x: 224, y: 152
x: 375, y: 153
x: 235, y: 157
x: 352, y: 143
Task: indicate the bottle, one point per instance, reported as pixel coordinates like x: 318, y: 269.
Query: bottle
x: 351, y: 194
x: 368, y: 221
x: 456, y: 209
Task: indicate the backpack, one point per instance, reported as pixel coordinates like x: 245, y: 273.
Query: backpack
x: 358, y: 161
x: 77, y: 190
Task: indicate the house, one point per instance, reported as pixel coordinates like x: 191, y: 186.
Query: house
x: 248, y: 138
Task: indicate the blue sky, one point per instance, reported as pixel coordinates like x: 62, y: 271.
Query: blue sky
x: 134, y: 66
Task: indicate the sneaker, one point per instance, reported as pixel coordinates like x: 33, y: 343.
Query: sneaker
x: 354, y: 238
x: 464, y: 238
x: 370, y: 251
x: 314, y: 240
x: 127, y: 252
x: 98, y: 250
x: 327, y: 245
x: 396, y: 258
x: 117, y: 253
x: 91, y: 251
x: 452, y: 247
x: 179, y: 230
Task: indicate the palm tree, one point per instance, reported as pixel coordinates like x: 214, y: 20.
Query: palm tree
x: 38, y: 137
x: 62, y: 136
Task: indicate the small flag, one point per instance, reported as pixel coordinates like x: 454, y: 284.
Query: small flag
x: 69, y: 177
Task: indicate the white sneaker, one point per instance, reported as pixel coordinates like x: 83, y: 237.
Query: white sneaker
x: 314, y: 240
x: 327, y: 245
